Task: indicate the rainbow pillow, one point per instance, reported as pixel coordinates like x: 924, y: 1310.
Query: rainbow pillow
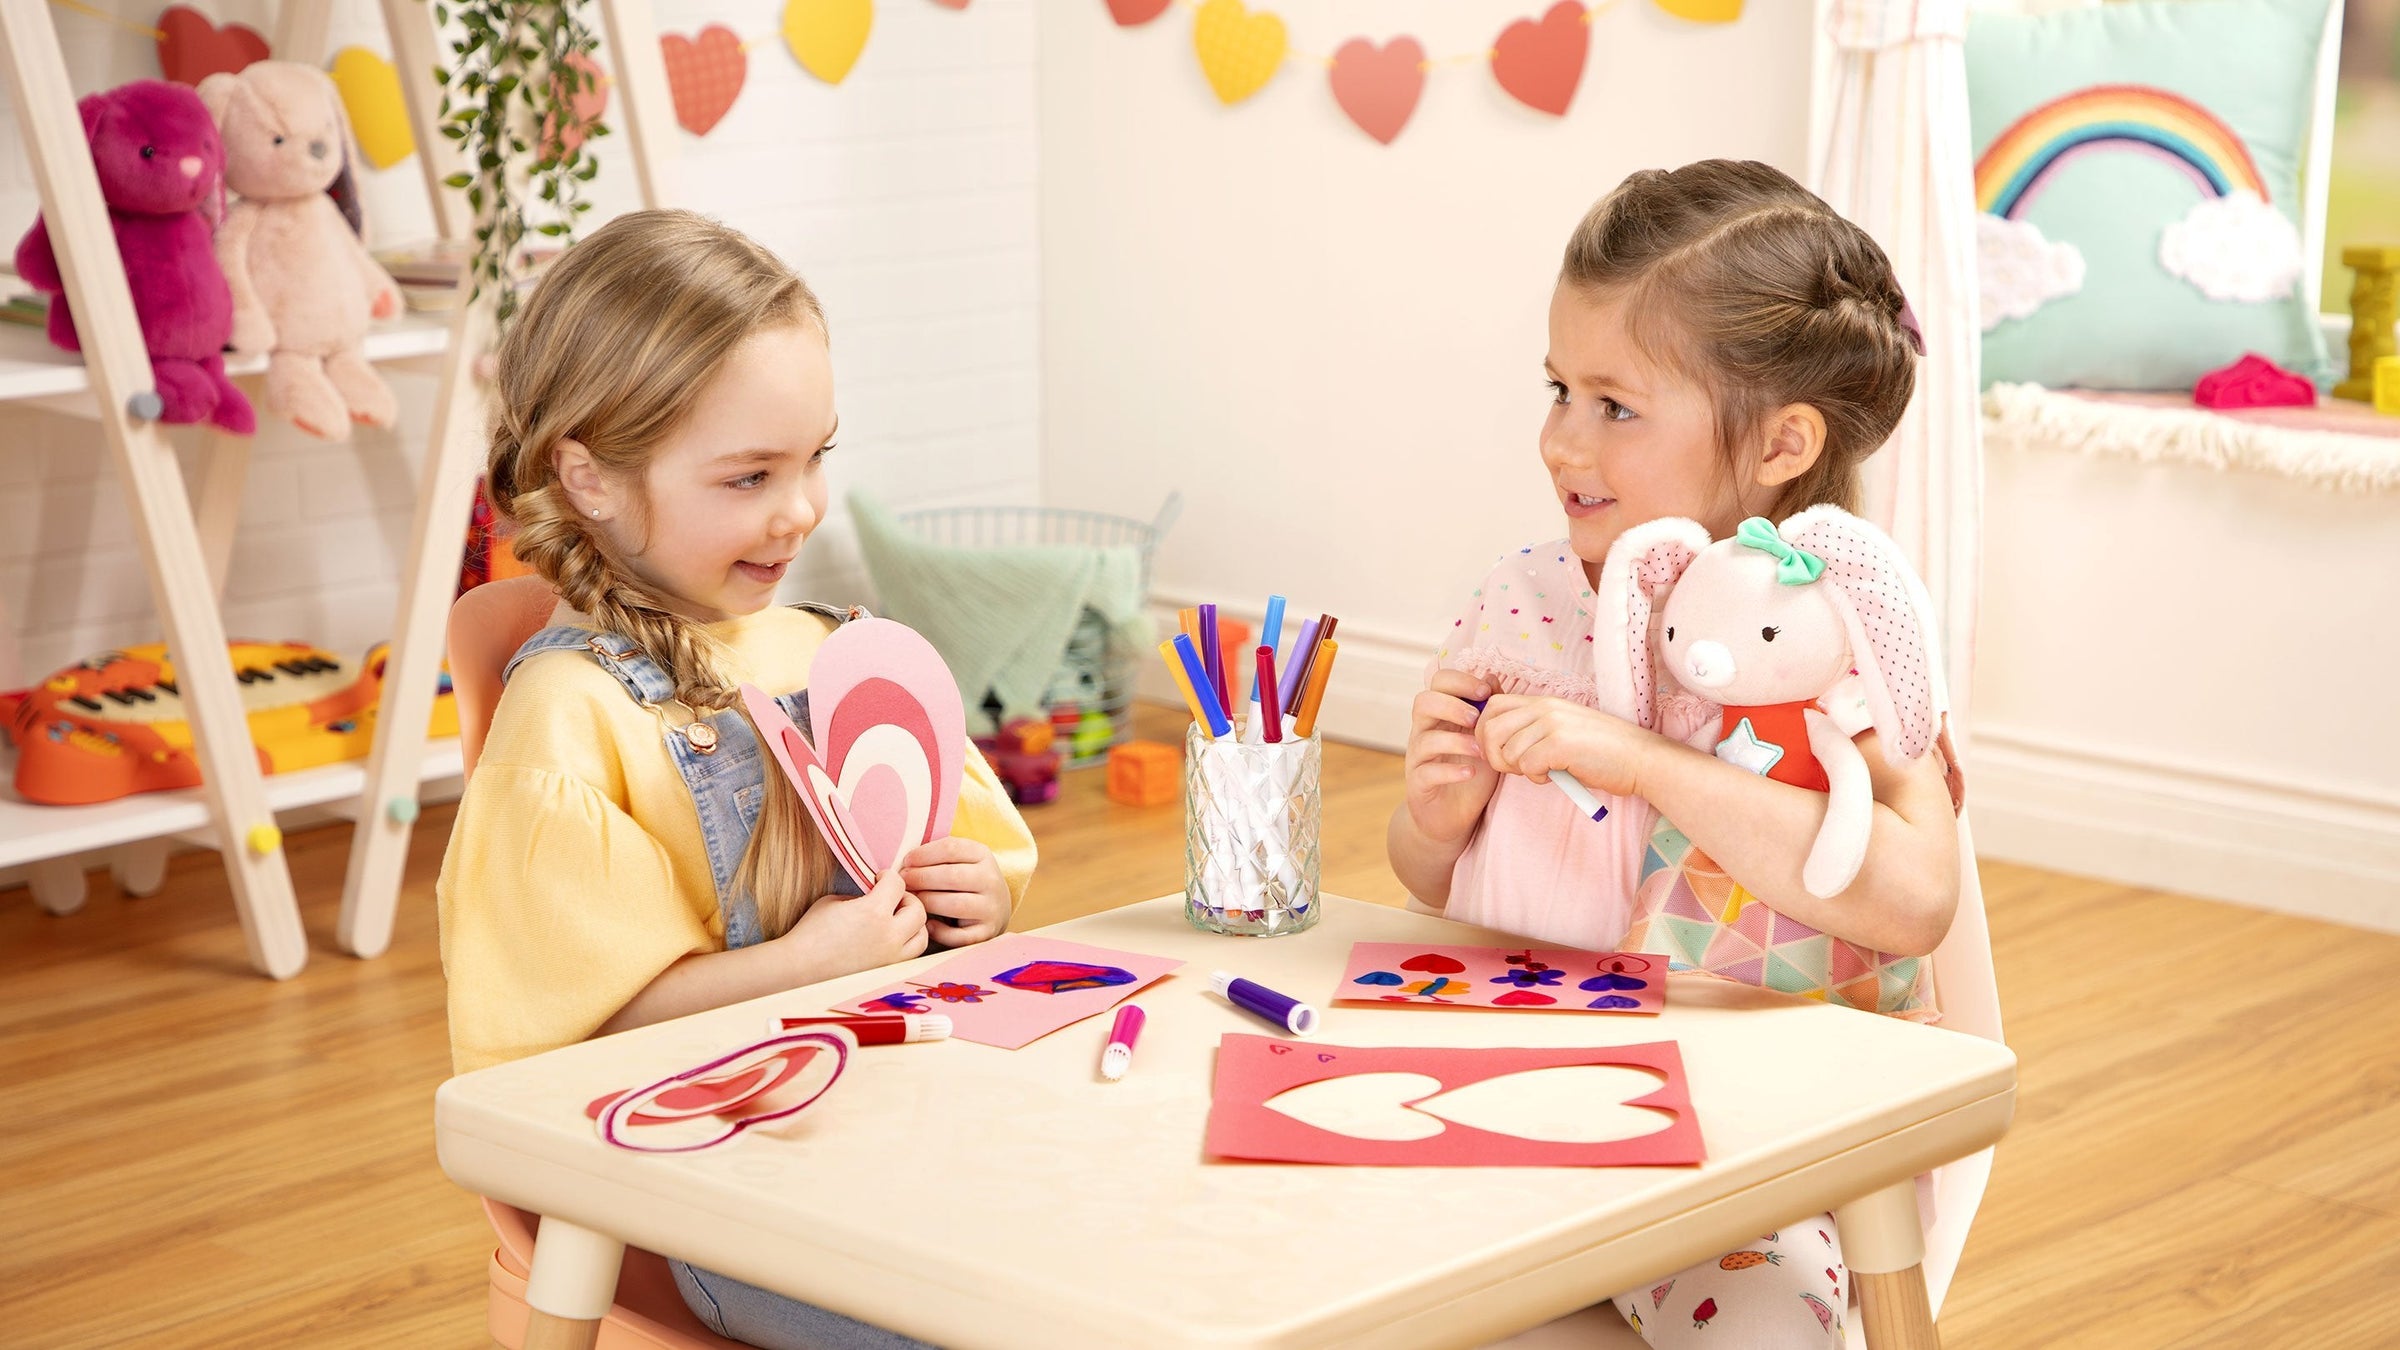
x: 2137, y: 181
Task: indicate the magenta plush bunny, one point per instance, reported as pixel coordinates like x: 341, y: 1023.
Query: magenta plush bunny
x: 162, y: 171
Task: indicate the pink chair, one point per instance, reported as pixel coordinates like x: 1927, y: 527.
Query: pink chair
x: 487, y: 625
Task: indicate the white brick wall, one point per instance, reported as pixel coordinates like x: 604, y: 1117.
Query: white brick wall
x: 906, y: 196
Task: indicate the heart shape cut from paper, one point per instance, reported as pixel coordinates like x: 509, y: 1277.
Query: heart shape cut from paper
x: 1239, y: 50
x: 1598, y: 983
x: 370, y: 90
x: 704, y: 75
x: 1379, y: 977
x: 1571, y: 1104
x: 585, y: 105
x: 1378, y: 86
x: 826, y: 36
x: 1135, y: 13
x: 1615, y: 1003
x: 1488, y: 1106
x: 1522, y: 998
x: 191, y: 48
x: 715, y: 1102
x: 891, y: 734
x: 1435, y: 964
x: 1539, y: 62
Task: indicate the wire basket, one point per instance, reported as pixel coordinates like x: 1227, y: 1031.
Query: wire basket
x: 1089, y: 678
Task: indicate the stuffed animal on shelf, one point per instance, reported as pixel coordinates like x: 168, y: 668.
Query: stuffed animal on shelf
x: 161, y: 169
x: 304, y: 288
x: 1803, y: 636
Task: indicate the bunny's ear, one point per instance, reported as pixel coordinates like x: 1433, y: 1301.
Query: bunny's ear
x: 1643, y: 565
x: 1891, y: 636
x: 344, y: 189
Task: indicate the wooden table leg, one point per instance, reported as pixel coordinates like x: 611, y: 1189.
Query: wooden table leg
x: 571, y: 1285
x: 1884, y: 1247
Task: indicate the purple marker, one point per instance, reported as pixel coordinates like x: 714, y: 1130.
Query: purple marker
x: 1259, y: 1001
x: 1584, y: 798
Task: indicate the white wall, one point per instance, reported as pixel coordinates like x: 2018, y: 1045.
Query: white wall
x: 1334, y: 347
x: 2184, y: 682
x: 905, y: 195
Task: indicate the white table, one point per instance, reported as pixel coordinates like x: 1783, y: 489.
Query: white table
x: 978, y: 1197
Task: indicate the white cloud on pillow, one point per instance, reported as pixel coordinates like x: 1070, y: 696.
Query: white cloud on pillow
x: 2021, y: 270
x: 2234, y: 248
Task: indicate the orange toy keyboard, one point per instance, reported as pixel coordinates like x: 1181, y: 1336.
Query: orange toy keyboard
x: 115, y: 725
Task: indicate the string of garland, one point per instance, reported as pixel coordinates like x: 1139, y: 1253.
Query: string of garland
x: 509, y: 92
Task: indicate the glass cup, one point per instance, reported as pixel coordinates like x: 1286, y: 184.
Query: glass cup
x: 1252, y: 813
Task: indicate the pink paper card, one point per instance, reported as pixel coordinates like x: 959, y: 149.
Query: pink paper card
x: 1585, y: 1106
x: 716, y: 1102
x: 1016, y: 989
x: 1559, y: 979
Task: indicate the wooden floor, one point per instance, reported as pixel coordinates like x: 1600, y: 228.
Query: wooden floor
x: 2207, y: 1146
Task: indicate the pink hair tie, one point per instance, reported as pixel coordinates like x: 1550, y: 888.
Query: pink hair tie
x: 1908, y: 325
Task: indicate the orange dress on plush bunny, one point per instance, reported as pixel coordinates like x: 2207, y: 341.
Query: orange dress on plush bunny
x: 304, y: 288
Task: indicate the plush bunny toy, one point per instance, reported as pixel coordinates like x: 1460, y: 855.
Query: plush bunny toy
x: 1790, y: 632
x: 304, y: 287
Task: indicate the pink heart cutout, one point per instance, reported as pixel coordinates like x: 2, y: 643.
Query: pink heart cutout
x: 1540, y: 62
x: 879, y: 808
x: 1378, y: 87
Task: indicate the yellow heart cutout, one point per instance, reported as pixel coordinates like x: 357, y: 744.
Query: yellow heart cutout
x: 370, y: 90
x: 1239, y: 51
x: 1703, y: 11
x: 827, y: 35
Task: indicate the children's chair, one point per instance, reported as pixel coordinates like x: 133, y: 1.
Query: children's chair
x: 487, y: 625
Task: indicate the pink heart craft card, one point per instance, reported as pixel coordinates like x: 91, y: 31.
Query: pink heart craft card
x: 716, y: 1102
x: 1558, y: 979
x: 1017, y: 988
x: 883, y: 771
x: 1399, y: 1106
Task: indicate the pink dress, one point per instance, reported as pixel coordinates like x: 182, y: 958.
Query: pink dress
x: 1535, y: 865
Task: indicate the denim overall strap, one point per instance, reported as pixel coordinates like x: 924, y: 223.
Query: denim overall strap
x: 718, y: 756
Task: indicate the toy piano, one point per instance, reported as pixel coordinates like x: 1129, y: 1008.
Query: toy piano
x: 115, y: 725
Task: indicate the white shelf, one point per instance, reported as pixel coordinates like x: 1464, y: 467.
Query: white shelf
x: 31, y: 368
x: 30, y: 833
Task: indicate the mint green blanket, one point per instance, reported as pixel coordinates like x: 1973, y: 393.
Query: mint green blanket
x: 1001, y: 617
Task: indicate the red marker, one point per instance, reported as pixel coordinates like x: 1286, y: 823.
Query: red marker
x: 1270, y: 708
x: 877, y: 1028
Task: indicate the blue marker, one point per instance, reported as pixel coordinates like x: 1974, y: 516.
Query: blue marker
x: 1211, y: 702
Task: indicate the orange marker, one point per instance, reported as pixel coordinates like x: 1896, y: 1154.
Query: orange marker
x: 1314, y: 697
x: 1183, y: 683
x: 1191, y: 627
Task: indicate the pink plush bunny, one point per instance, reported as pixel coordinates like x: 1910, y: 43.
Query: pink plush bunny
x: 161, y: 169
x: 1768, y: 625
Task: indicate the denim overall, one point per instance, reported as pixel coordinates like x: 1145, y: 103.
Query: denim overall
x: 725, y: 768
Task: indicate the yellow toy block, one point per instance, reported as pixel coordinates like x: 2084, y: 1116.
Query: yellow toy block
x: 2387, y: 385
x: 1145, y: 773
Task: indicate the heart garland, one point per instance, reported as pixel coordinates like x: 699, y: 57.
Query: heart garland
x: 1537, y: 61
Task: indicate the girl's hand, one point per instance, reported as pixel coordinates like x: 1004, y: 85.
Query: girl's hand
x: 958, y: 879
x: 1538, y: 736
x: 841, y: 935
x: 1449, y: 782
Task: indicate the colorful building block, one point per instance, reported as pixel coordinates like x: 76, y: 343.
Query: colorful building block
x: 1145, y: 773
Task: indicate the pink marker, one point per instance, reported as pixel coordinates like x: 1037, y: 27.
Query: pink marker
x: 1118, y: 1057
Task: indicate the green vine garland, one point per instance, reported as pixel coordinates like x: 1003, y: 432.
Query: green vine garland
x: 517, y: 66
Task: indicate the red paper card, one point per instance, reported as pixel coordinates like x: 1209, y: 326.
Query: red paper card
x: 1551, y: 978
x: 1584, y: 1106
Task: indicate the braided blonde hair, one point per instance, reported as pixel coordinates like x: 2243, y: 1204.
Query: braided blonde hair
x: 613, y: 350
x: 1744, y: 280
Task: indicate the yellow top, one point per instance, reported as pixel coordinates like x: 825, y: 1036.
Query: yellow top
x: 576, y: 871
